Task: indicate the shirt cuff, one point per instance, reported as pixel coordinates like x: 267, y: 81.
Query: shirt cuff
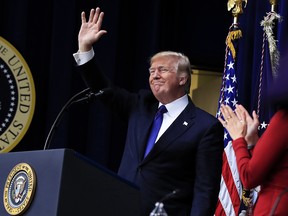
x: 83, y: 57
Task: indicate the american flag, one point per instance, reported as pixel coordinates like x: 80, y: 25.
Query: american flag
x: 229, y: 198
x: 232, y: 195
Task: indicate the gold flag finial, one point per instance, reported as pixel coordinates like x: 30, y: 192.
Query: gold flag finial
x: 273, y: 5
x: 235, y: 33
x: 236, y: 6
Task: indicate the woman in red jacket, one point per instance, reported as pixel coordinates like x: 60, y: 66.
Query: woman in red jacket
x: 267, y: 163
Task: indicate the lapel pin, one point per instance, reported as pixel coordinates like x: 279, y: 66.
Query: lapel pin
x: 185, y: 123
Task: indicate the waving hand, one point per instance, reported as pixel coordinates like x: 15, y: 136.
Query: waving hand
x: 90, y: 30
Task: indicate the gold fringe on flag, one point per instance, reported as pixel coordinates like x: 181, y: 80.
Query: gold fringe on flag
x: 233, y: 35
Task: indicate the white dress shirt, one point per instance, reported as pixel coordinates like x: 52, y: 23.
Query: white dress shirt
x: 174, y: 109
x: 83, y: 57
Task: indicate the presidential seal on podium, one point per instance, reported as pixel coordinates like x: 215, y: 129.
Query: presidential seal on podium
x: 19, y: 189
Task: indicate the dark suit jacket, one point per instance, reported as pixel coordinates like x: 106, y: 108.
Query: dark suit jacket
x: 187, y: 157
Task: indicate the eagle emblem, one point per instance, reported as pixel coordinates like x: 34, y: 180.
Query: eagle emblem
x: 19, y: 189
x: 236, y: 5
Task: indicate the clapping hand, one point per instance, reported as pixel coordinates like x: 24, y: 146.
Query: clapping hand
x: 252, y: 125
x: 240, y: 124
x: 234, y: 122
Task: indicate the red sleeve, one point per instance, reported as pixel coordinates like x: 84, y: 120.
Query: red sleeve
x: 267, y: 152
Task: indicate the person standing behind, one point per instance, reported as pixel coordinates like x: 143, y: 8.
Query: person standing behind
x: 187, y: 154
x: 267, y: 163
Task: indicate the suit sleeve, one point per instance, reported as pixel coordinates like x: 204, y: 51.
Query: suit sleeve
x: 93, y: 77
x: 208, y: 171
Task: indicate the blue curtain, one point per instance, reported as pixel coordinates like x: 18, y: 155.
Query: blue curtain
x: 250, y: 46
x: 45, y: 33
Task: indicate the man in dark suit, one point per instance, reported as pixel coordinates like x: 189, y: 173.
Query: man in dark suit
x: 187, y: 154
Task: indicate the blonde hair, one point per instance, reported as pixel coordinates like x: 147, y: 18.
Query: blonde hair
x: 182, y: 65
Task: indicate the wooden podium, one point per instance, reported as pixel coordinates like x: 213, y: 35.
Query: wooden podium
x: 67, y: 184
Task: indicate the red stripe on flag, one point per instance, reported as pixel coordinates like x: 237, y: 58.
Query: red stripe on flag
x: 230, y: 185
x: 230, y: 188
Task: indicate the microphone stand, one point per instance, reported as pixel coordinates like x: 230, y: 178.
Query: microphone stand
x: 158, y: 210
x: 71, y: 101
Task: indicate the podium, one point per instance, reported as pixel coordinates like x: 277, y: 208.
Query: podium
x: 68, y: 184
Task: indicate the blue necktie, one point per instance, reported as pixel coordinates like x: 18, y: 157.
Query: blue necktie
x: 155, y: 128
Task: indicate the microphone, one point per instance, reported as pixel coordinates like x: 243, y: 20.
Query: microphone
x: 169, y: 195
x: 91, y: 95
x: 74, y: 99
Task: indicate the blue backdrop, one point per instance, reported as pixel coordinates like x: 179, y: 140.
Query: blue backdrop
x: 45, y: 33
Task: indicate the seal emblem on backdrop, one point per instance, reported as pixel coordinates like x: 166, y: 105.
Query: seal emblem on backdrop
x: 19, y: 189
x: 17, y: 96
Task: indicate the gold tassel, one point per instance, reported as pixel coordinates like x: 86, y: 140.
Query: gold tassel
x: 233, y: 35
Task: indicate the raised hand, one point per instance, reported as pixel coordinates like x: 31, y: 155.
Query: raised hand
x: 90, y: 30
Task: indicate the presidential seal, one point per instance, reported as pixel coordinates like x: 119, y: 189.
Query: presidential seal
x: 17, y: 96
x: 19, y: 189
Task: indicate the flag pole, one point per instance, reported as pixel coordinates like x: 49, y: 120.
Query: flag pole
x: 273, y: 5
x: 245, y: 205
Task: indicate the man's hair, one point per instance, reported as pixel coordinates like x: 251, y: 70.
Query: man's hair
x: 183, y: 64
